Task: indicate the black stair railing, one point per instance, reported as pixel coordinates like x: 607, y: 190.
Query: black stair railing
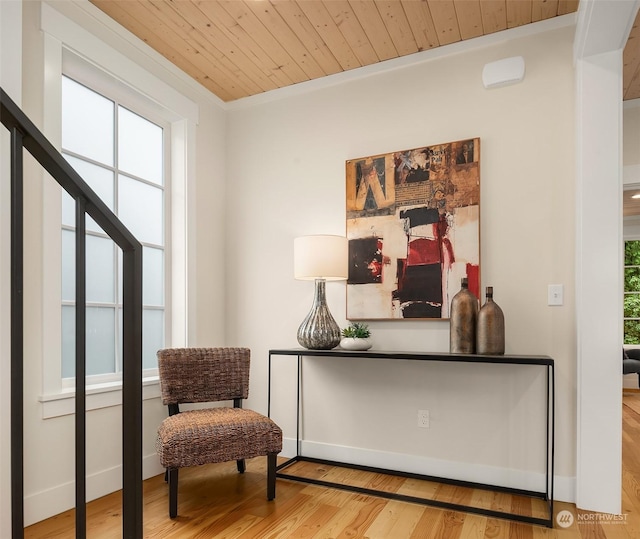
x: 25, y: 135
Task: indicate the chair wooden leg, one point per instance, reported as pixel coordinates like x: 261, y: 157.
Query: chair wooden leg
x: 241, y: 465
x: 173, y: 492
x: 271, y: 476
x: 166, y: 475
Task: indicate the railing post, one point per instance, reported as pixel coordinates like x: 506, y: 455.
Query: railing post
x: 81, y: 368
x: 132, y: 394
x: 17, y: 337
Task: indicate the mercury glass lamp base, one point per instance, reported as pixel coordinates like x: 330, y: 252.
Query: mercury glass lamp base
x: 319, y: 330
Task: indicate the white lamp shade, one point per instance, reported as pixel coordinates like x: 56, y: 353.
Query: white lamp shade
x: 320, y: 257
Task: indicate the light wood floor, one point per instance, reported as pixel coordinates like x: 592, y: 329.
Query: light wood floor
x: 217, y: 502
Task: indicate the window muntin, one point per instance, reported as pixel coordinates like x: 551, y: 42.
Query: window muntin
x: 130, y: 178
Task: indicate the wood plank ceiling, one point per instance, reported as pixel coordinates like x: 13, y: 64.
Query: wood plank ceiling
x: 239, y: 48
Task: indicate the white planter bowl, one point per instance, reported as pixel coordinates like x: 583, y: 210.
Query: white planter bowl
x: 351, y: 343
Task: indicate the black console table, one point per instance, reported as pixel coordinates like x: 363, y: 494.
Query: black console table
x: 547, y: 494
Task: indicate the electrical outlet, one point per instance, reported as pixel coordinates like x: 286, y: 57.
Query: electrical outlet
x: 423, y: 419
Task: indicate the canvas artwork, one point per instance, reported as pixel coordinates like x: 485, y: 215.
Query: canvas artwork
x: 413, y: 225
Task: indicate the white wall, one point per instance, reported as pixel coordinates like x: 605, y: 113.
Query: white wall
x: 49, y: 443
x: 286, y: 162
x: 11, y: 82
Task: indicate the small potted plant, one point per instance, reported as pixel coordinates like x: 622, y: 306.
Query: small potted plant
x: 356, y: 337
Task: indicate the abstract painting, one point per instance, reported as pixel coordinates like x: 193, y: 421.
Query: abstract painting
x: 413, y: 225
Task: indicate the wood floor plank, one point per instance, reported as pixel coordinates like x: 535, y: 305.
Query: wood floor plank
x: 418, y: 488
x: 314, y: 523
x: 429, y: 525
x: 345, y: 522
x: 398, y: 519
x: 366, y: 514
x: 474, y: 527
x: 496, y: 529
x: 451, y: 527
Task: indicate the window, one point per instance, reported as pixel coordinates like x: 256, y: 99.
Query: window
x: 632, y: 292
x: 122, y: 156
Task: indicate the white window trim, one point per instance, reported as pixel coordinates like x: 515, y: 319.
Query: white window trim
x: 98, y: 396
x: 61, y: 36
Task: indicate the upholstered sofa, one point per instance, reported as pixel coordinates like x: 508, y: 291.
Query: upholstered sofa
x: 631, y: 362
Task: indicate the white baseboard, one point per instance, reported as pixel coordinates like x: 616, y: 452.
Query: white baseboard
x: 564, y: 487
x: 50, y: 502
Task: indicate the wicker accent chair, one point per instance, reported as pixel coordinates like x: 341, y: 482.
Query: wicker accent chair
x: 210, y: 435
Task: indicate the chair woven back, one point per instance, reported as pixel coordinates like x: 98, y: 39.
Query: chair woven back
x: 203, y: 374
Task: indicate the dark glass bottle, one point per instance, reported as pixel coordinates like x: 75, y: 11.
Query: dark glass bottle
x: 463, y: 314
x: 490, y: 330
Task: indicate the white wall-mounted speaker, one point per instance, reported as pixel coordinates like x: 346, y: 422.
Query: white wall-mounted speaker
x: 503, y: 72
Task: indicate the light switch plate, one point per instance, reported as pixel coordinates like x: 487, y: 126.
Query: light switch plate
x: 555, y: 294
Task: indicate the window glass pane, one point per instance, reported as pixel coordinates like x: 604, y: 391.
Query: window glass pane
x: 68, y: 210
x: 632, y: 332
x: 632, y: 279
x: 153, y: 277
x: 139, y: 146
x: 120, y: 275
x: 100, y: 341
x: 152, y: 337
x: 87, y: 122
x: 100, y: 270
x: 632, y: 253
x: 632, y: 306
x: 68, y: 341
x: 99, y: 179
x: 68, y: 265
x: 140, y: 208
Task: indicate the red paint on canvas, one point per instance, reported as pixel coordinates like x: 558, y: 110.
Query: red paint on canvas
x: 423, y: 251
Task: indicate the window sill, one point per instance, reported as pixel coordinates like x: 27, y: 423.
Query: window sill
x: 98, y: 396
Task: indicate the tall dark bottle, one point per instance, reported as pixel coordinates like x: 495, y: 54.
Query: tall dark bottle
x: 490, y: 330
x: 464, y: 311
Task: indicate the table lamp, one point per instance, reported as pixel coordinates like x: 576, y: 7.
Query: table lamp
x: 320, y: 258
